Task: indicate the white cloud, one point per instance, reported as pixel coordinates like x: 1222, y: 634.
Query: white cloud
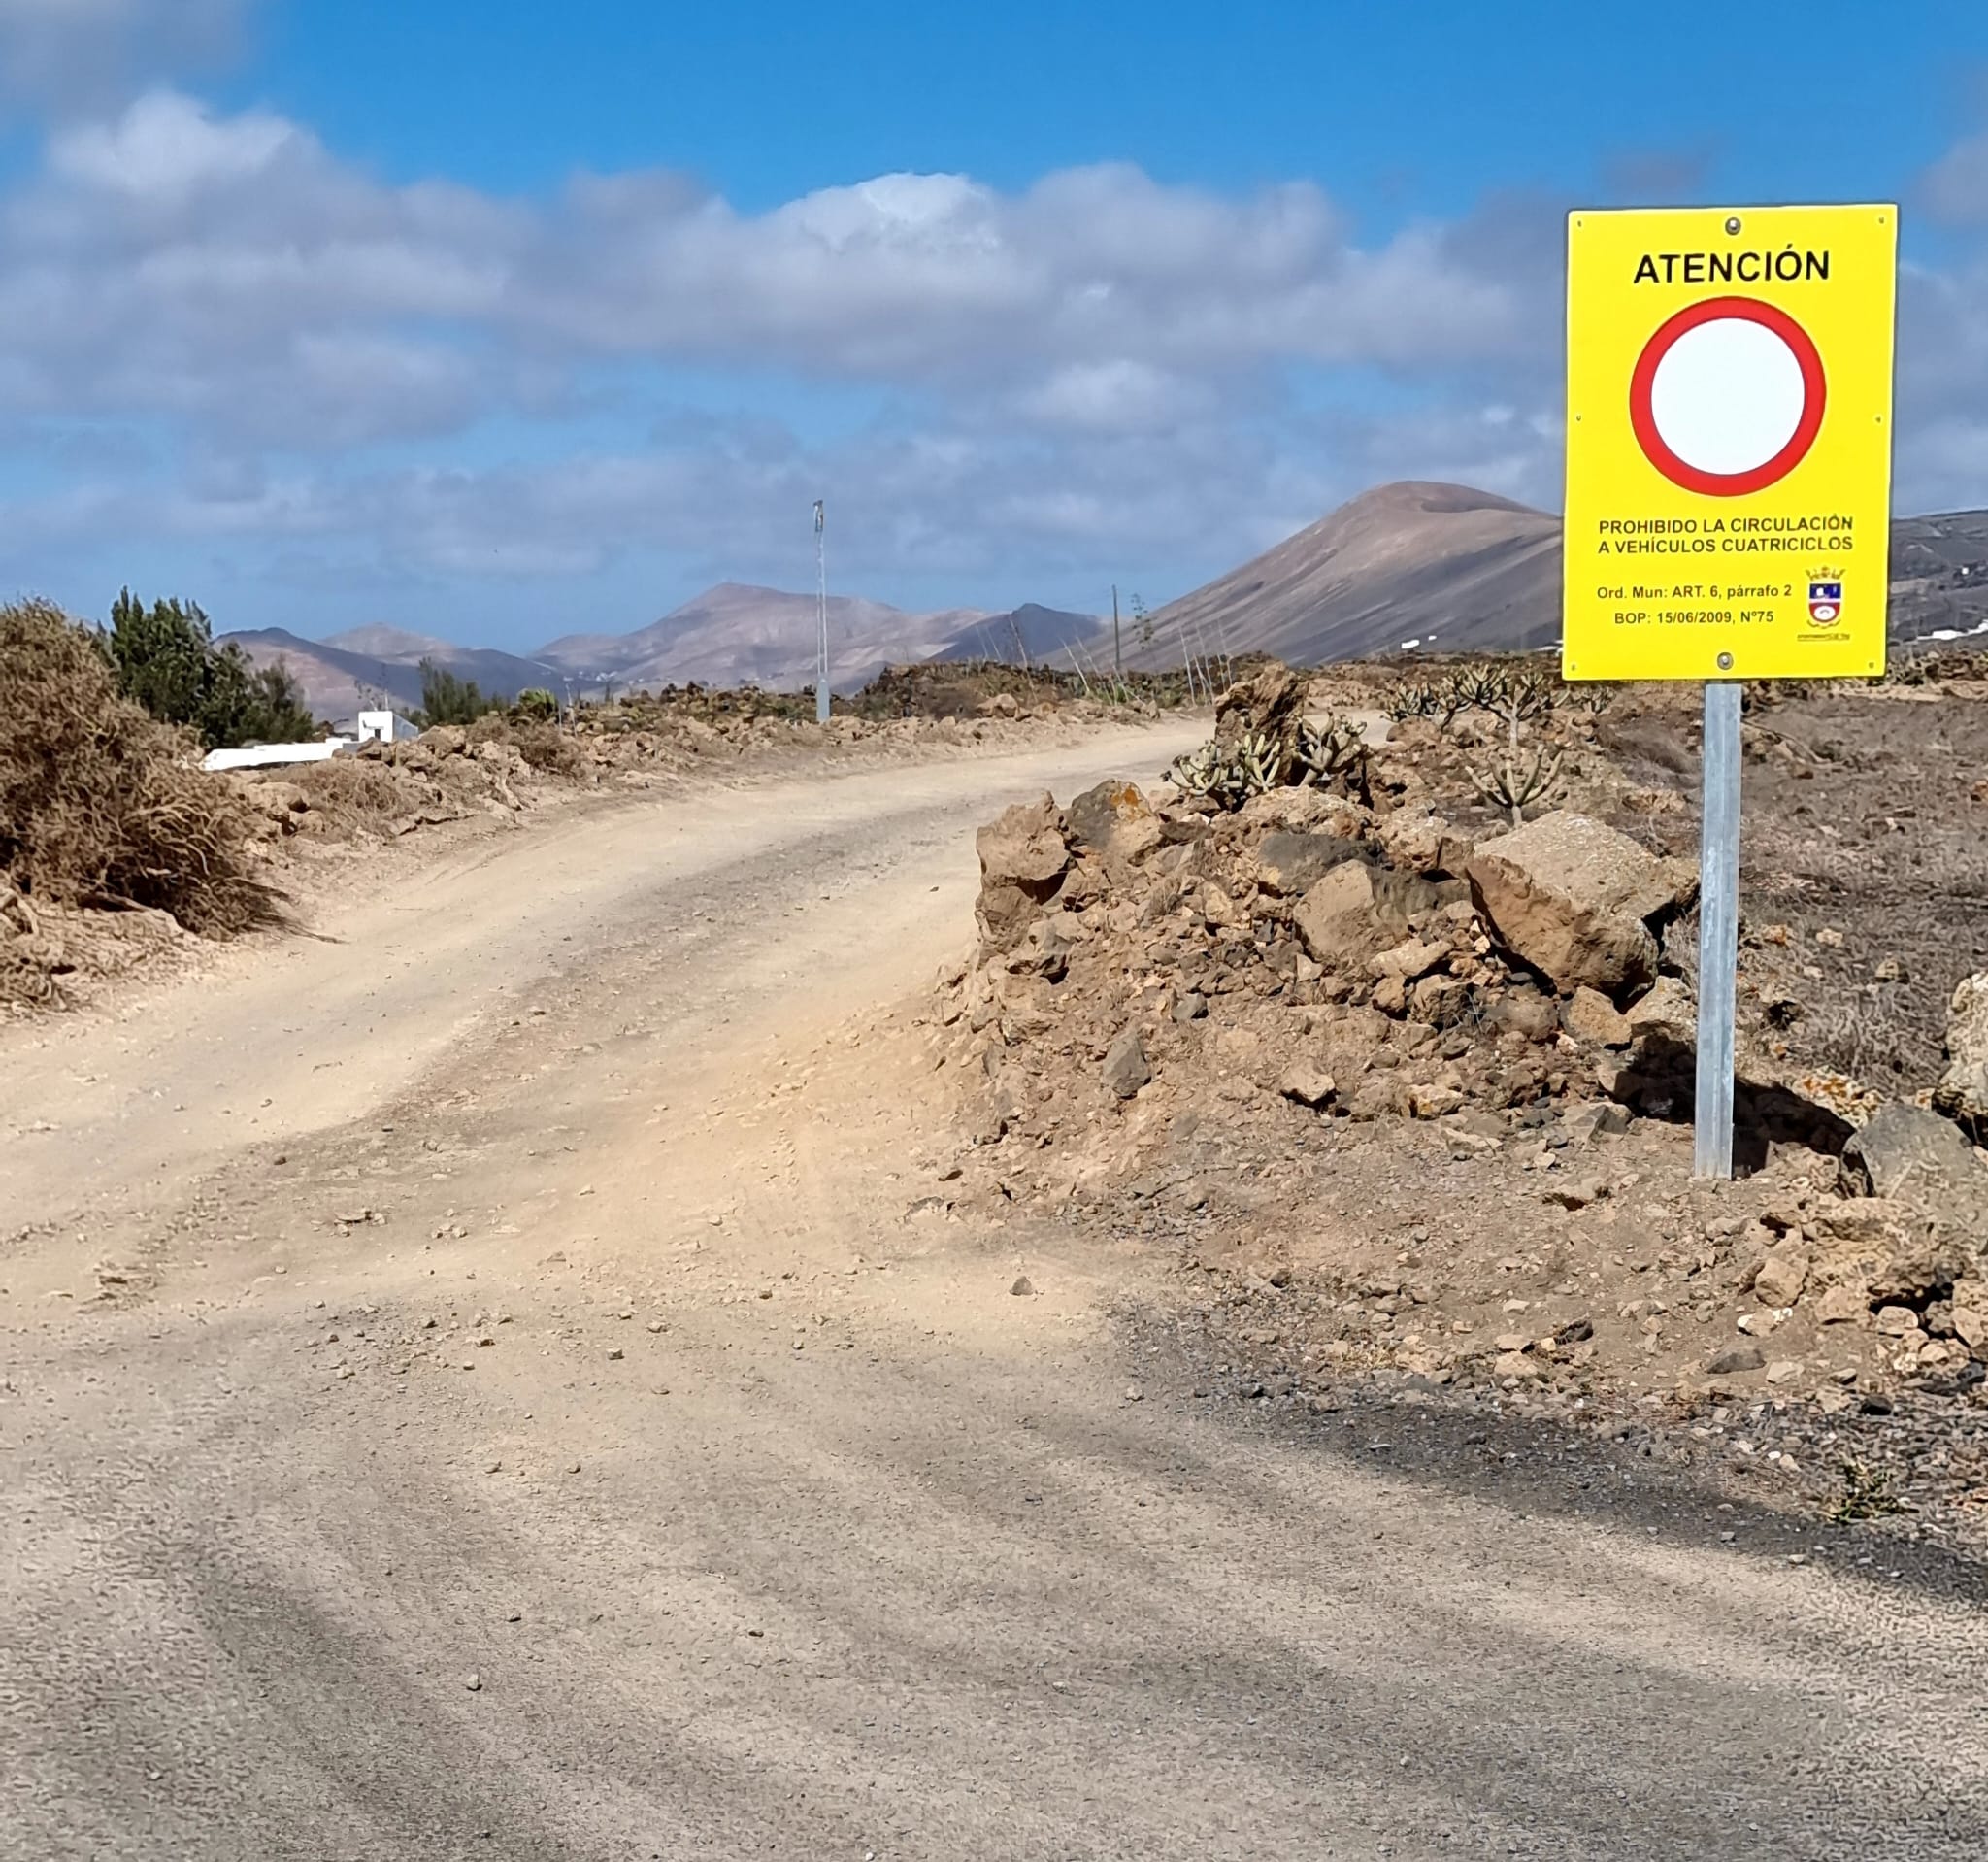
x: 1120, y: 396
x: 165, y: 147
x: 64, y: 53
x: 1956, y: 186
x: 198, y: 242
x: 1098, y: 370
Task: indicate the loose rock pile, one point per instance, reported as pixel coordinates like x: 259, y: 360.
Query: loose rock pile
x: 1364, y: 962
x: 1196, y: 1020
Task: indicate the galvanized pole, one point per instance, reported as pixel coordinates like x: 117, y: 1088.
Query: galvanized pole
x: 821, y: 614
x: 1718, y: 932
x: 1117, y: 644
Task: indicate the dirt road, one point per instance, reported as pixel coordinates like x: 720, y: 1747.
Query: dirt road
x: 507, y: 1383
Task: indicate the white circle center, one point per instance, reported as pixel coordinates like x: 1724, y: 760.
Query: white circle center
x: 1728, y: 395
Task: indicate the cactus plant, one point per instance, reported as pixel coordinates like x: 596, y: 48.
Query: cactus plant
x: 1405, y: 699
x: 1255, y: 763
x: 1323, y: 756
x: 1515, y: 786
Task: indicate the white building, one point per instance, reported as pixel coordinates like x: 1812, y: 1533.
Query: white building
x: 261, y: 756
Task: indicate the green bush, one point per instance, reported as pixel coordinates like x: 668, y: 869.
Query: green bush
x: 166, y: 660
x: 449, y: 700
x: 537, y: 706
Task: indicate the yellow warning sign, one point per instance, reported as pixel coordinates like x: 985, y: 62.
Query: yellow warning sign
x: 1729, y: 442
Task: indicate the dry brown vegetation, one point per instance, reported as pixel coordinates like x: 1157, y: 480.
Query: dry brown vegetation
x: 102, y: 807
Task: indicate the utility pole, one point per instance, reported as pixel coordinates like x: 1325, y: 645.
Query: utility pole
x: 1117, y: 644
x: 821, y: 612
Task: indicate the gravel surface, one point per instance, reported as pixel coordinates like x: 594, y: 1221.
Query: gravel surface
x: 600, y: 1432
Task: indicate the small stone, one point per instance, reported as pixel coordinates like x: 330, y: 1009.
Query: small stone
x: 1516, y: 1364
x: 1895, y: 1322
x: 1590, y: 1122
x: 1023, y: 1287
x: 474, y: 1682
x: 1843, y: 1306
x: 615, y: 1354
x: 1409, y: 960
x: 1590, y: 1016
x: 572, y: 1467
x: 1732, y: 1359
x: 1434, y: 1102
x: 1190, y: 1008
x: 1391, y: 996
x: 1577, y: 1193
x: 1134, y: 1394
x: 1127, y: 1070
x: 1512, y: 1341
x: 1307, y: 1085
x: 656, y: 1325
x: 1784, y: 1369
x: 1781, y: 1278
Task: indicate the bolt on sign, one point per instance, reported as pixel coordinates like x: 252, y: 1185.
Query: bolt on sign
x: 1729, y: 380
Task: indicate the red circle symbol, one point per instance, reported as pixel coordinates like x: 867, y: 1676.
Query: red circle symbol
x: 1642, y: 383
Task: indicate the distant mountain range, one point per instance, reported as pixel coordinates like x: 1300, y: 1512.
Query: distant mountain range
x: 1405, y: 566
x: 1442, y: 566
x: 350, y: 670
x: 730, y: 635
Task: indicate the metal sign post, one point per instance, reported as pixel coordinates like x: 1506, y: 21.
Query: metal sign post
x: 1729, y: 384
x: 1718, y: 933
x: 821, y: 614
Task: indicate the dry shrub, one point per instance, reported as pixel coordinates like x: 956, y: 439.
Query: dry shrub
x: 100, y: 805
x: 359, y: 794
x: 545, y: 747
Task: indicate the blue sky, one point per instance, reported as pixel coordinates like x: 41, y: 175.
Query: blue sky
x: 503, y: 322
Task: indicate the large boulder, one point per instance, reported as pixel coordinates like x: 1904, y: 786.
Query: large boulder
x: 1422, y: 842
x: 1270, y: 703
x: 1336, y: 917
x: 1669, y: 1013
x: 1906, y: 1151
x: 1290, y: 864
x: 1022, y: 862
x: 1577, y: 901
x: 1112, y: 822
x: 1963, y: 1090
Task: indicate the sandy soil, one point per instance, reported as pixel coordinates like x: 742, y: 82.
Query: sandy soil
x: 506, y: 1379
